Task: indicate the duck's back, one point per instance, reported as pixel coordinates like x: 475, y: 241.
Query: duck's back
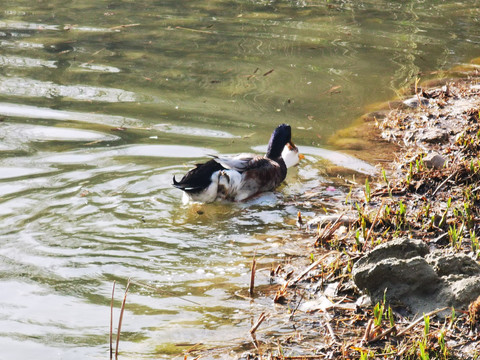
x: 262, y: 175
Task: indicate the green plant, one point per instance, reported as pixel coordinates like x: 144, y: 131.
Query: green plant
x: 453, y: 317
x: 402, y: 213
x: 357, y: 239
x: 474, y: 242
x: 455, y: 236
x: 367, y: 191
x: 426, y: 322
x: 378, y: 314
x: 423, y: 353
x: 364, y: 228
x: 365, y: 355
x: 425, y: 212
x: 444, y: 216
x: 432, y: 222
x: 386, y: 213
x: 349, y: 195
x: 419, y: 164
x: 390, y: 317
x: 359, y: 210
x: 384, y: 175
x: 442, y: 345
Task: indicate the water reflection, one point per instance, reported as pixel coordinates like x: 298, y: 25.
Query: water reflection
x: 101, y: 104
x: 26, y: 111
x: 17, y: 61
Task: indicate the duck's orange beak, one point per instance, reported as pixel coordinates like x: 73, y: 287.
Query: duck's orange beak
x: 292, y: 146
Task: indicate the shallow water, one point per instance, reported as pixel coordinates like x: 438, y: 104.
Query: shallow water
x: 101, y: 103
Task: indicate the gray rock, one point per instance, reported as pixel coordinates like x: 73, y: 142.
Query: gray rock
x: 434, y: 161
x: 403, y: 248
x: 433, y: 136
x: 416, y: 278
x: 449, y: 264
x: 414, y: 102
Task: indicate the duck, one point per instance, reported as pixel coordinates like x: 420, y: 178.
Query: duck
x: 241, y: 177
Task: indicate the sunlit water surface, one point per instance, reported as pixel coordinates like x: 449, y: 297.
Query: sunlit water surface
x: 102, y: 102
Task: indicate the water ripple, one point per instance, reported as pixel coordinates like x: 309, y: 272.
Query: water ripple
x: 14, y: 86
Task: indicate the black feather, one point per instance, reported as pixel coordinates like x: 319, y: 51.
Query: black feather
x: 280, y: 137
x: 198, y: 178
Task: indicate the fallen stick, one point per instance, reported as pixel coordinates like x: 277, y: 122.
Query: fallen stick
x: 431, y: 313
x: 257, y: 324
x: 383, y: 334
x: 366, y: 336
x: 444, y: 182
x: 307, y: 270
x: 326, y: 317
x: 268, y: 72
x: 296, y: 308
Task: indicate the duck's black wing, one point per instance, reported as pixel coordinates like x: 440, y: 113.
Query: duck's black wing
x: 199, y: 177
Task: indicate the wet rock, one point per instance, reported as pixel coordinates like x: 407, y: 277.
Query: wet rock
x: 421, y: 280
x: 414, y: 101
x: 434, y: 161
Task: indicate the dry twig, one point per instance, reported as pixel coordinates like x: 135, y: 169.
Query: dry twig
x: 431, y: 313
x: 383, y: 334
x: 111, y: 321
x: 123, y: 26
x: 252, y: 276
x: 257, y: 324
x: 329, y: 230
x: 121, y: 319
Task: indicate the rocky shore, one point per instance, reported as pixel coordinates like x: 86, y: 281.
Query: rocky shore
x: 393, y: 272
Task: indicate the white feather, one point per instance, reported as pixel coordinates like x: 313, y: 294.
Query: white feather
x: 290, y: 156
x: 238, y: 162
x: 208, y: 195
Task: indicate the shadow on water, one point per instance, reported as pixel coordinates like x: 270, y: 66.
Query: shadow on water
x: 102, y: 103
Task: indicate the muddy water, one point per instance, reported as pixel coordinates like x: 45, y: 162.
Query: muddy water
x: 102, y: 102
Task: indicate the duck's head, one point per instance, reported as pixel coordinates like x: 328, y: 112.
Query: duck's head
x: 281, y: 136
x: 291, y: 155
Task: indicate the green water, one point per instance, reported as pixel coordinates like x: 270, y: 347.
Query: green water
x: 102, y: 102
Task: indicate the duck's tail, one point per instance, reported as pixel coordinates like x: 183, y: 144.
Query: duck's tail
x: 199, y: 178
